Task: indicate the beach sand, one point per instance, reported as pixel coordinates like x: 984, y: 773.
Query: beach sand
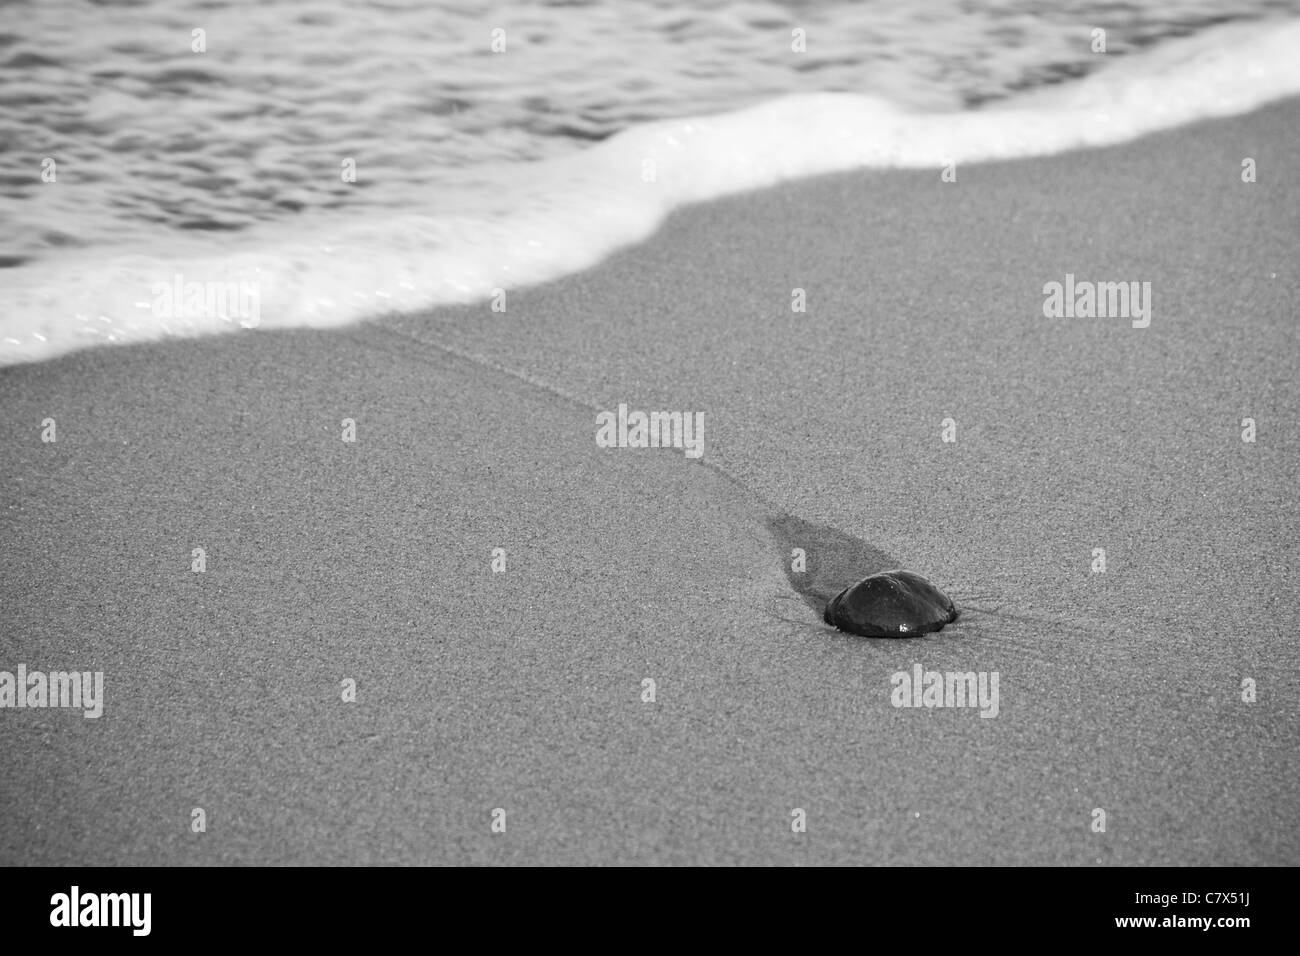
x: 522, y: 690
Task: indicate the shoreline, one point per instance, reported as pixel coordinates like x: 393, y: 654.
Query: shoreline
x: 511, y: 227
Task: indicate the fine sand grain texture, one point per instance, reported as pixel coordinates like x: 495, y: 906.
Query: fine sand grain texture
x: 523, y: 690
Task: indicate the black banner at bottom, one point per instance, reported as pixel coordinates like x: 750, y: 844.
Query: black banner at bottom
x: 334, y: 906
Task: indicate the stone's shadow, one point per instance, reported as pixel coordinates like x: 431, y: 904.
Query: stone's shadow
x: 834, y: 559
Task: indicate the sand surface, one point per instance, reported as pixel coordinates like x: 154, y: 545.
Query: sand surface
x: 522, y: 690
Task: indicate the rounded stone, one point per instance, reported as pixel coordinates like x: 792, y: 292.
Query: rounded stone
x: 890, y: 604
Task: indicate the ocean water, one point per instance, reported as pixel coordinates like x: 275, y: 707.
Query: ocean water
x: 181, y: 169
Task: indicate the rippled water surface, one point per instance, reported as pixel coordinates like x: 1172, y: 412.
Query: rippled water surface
x: 204, y: 147
x: 159, y: 140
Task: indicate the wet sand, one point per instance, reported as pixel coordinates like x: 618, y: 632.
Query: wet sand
x: 522, y: 690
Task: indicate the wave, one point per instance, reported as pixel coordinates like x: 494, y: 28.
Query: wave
x: 528, y: 223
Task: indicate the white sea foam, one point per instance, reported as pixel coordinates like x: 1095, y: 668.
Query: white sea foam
x: 534, y: 222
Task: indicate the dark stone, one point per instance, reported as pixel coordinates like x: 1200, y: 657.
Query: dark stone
x: 890, y: 604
